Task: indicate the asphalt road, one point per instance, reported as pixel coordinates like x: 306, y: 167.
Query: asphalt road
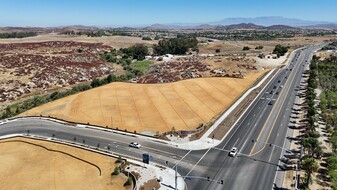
x: 256, y: 165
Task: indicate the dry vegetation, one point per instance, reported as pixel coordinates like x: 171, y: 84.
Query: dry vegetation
x: 37, y: 67
x: 26, y: 165
x: 150, y: 107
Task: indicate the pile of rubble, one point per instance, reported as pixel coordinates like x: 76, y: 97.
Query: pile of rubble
x: 174, y: 71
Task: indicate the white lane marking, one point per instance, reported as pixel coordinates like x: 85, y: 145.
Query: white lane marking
x: 182, y: 158
x: 271, y: 154
x: 235, y: 141
x: 197, y: 163
x: 244, y: 144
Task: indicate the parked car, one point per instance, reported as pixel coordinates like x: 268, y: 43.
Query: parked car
x: 134, y: 145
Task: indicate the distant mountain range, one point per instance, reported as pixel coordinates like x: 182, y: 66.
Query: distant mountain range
x: 267, y: 22
x: 271, y: 22
x: 240, y: 26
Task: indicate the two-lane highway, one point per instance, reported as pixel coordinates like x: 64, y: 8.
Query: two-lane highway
x: 256, y: 164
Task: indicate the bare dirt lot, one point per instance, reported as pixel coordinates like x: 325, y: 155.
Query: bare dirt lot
x: 150, y: 108
x: 26, y: 165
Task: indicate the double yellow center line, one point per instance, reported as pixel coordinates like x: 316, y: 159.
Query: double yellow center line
x: 278, y: 113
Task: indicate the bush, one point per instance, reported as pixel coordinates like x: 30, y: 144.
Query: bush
x: 128, y: 182
x: 147, y: 38
x: 217, y: 50
x: 160, y: 59
x: 119, y: 159
x: 246, y: 48
x: 116, y: 171
x: 259, y: 47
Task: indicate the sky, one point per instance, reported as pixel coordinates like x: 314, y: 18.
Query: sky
x: 145, y: 12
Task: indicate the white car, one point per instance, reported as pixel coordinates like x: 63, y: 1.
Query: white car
x: 233, y: 152
x: 134, y: 145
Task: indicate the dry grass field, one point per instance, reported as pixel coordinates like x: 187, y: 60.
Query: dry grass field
x: 150, y: 108
x: 24, y: 165
x: 230, y: 47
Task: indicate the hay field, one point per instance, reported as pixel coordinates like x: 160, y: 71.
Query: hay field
x: 150, y: 108
x: 27, y: 166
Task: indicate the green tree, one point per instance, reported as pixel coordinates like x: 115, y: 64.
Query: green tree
x: 310, y: 165
x: 332, y: 162
x: 312, y: 145
x: 280, y: 50
x: 333, y: 140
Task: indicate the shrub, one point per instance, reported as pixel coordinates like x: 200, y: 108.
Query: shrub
x: 147, y: 38
x: 116, y: 171
x: 128, y: 182
x: 119, y: 159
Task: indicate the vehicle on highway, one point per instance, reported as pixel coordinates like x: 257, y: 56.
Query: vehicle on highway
x: 134, y: 145
x: 281, y: 86
x: 270, y: 103
x: 233, y: 152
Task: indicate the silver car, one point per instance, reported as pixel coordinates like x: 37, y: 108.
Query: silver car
x: 233, y: 152
x: 134, y: 145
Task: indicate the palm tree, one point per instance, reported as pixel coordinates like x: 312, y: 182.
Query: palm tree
x: 312, y: 145
x: 310, y: 165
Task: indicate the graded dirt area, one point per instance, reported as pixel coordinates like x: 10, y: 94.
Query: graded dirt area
x: 27, y: 165
x: 150, y: 108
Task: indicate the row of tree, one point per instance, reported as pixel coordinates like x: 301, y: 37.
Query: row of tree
x: 179, y: 45
x: 310, y: 140
x: 325, y: 72
x: 17, y: 34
